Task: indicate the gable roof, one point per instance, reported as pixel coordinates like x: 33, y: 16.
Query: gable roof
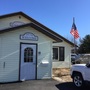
x: 56, y: 38
x: 45, y: 30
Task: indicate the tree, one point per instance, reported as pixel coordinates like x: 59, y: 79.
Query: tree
x: 84, y: 46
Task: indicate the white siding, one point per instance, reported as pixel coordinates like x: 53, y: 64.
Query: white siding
x: 67, y: 62
x: 10, y: 57
x: 5, y: 22
x: 10, y: 54
x: 44, y: 71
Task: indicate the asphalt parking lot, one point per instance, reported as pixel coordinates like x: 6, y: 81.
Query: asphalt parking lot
x: 39, y: 85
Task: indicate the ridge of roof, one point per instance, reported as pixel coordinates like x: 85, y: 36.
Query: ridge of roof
x: 10, y: 14
x: 37, y: 23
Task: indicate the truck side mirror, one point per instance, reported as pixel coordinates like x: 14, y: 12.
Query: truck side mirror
x: 88, y: 65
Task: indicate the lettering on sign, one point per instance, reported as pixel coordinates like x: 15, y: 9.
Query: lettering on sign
x: 29, y: 36
x: 16, y: 23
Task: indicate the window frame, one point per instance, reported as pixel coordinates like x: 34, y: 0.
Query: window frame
x: 27, y: 57
x: 58, y: 54
x: 59, y: 58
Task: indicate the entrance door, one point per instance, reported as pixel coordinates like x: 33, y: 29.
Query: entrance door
x: 28, y: 62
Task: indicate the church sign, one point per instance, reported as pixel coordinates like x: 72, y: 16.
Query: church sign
x: 29, y: 36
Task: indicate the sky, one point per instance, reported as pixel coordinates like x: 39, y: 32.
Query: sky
x: 54, y: 14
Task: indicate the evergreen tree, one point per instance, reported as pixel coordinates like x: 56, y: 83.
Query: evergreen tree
x: 84, y: 45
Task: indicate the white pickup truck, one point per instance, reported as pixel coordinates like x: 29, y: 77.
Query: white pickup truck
x: 80, y: 74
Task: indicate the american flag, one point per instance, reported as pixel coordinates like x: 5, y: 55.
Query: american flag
x: 74, y: 31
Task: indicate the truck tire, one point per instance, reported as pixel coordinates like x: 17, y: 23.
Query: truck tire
x: 78, y: 80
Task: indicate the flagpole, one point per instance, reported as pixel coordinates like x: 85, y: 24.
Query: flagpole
x: 74, y: 46
x: 74, y: 38
x: 75, y: 34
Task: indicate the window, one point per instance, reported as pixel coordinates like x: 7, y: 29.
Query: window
x: 28, y: 55
x: 55, y: 53
x: 61, y: 53
x: 58, y: 53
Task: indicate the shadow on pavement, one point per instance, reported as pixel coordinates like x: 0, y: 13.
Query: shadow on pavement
x: 70, y: 86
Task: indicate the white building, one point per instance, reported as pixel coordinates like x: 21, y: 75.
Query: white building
x: 26, y: 49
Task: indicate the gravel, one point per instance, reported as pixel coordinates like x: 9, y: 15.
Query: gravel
x: 62, y: 74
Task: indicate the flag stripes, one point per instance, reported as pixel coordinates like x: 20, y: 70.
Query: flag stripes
x: 74, y: 31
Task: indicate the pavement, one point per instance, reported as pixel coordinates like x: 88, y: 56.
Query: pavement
x: 31, y: 85
x: 50, y: 84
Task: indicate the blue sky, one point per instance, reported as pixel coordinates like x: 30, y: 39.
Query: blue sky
x: 55, y: 14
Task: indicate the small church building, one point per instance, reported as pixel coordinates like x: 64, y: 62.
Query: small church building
x: 29, y: 50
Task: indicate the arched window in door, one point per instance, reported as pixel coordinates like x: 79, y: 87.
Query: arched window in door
x: 28, y: 54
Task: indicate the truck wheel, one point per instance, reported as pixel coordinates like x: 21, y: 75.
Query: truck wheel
x: 78, y: 80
